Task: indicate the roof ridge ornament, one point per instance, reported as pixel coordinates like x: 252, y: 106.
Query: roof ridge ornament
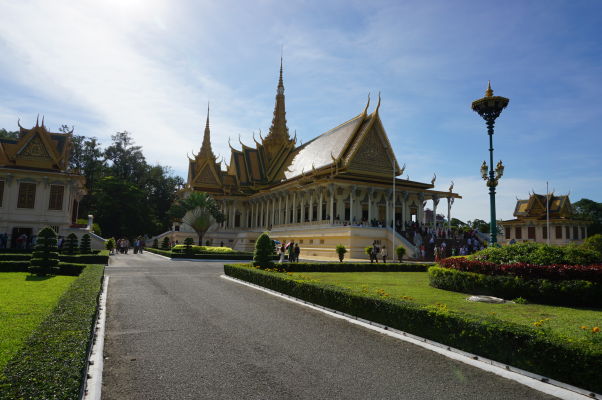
x: 489, y: 91
x: 367, y: 105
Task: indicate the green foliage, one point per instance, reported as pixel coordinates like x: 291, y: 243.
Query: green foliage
x: 368, y: 250
x: 537, y: 253
x: 589, y: 210
x: 165, y: 243
x: 95, y: 227
x: 45, y: 257
x: 541, y: 291
x: 401, y: 251
x: 204, y: 249
x: 341, y: 250
x: 101, y: 259
x: 110, y: 244
x: 15, y: 257
x: 479, y: 224
x: 156, y: 243
x: 84, y: 245
x: 188, y: 242
x: 518, y: 345
x: 4, y: 134
x: 594, y: 243
x: 51, y: 363
x: 70, y: 244
x: 264, y: 250
x: 354, y: 267
x: 198, y: 210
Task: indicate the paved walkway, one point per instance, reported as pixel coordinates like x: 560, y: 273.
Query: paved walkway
x: 176, y: 330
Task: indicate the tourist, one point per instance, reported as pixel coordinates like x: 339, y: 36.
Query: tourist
x: 297, y: 252
x: 282, y: 251
x: 141, y: 245
x: 383, y: 254
x: 291, y: 252
x: 375, y: 251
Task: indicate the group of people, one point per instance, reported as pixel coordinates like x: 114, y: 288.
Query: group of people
x: 440, y: 242
x: 292, y: 249
x: 123, y: 245
x: 376, y: 251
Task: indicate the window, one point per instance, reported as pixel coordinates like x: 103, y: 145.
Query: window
x: 568, y: 232
x: 507, y: 232
x: 1, y: 192
x: 56, y: 197
x: 518, y: 232
x: 27, y: 195
x: 531, y: 232
x: 575, y: 233
x: 559, y: 232
x: 545, y: 232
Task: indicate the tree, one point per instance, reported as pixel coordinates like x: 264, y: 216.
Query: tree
x: 589, y: 210
x: 45, y: 257
x: 126, y: 160
x: 479, y: 225
x: 160, y: 186
x: 457, y: 223
x: 200, y: 211
x: 165, y: 243
x: 264, y: 249
x: 4, y: 134
x: 594, y: 243
x: 188, y: 242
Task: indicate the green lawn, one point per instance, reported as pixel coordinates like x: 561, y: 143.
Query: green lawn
x: 414, y: 287
x: 25, y: 300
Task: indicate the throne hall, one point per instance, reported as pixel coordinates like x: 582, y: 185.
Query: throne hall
x: 342, y: 187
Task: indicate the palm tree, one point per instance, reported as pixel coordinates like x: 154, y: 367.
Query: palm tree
x: 201, y: 212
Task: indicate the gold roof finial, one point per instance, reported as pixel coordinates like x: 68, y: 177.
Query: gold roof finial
x: 489, y: 91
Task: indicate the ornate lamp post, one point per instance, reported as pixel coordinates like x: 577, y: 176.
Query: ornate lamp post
x: 489, y: 108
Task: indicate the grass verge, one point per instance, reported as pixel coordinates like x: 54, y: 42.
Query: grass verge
x: 51, y: 362
x: 372, y: 295
x: 25, y: 300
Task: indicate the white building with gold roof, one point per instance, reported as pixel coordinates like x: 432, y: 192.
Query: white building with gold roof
x: 36, y: 187
x: 340, y: 188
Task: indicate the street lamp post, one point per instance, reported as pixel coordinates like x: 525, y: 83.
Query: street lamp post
x: 489, y: 108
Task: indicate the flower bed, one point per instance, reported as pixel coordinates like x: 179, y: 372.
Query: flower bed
x: 554, y: 272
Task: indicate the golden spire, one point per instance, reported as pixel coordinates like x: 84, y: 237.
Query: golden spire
x: 279, y: 131
x: 488, y: 92
x: 206, y: 146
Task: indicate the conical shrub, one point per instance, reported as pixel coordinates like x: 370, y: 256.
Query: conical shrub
x: 45, y: 257
x: 70, y: 244
x: 84, y: 245
x: 264, y: 249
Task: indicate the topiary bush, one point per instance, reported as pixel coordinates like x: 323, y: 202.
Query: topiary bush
x: 110, y: 244
x: 341, y: 250
x: 400, y: 251
x: 70, y: 244
x: 84, y: 245
x: 165, y: 243
x: 188, y: 242
x: 594, y: 243
x: 156, y: 243
x: 45, y: 257
x: 264, y: 250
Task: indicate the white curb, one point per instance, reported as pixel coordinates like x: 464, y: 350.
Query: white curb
x: 93, y: 386
x: 534, y: 381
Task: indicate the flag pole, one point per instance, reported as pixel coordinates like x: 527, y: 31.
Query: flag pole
x: 548, y: 212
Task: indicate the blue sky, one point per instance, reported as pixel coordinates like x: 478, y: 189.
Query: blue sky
x: 150, y: 66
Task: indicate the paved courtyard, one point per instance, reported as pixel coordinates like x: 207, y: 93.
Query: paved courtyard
x: 176, y: 330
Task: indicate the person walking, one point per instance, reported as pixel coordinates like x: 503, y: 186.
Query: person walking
x: 282, y: 251
x: 383, y: 254
x: 375, y: 251
x: 297, y: 252
x: 291, y: 252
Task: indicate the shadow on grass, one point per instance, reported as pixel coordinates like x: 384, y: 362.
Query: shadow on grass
x: 36, y: 278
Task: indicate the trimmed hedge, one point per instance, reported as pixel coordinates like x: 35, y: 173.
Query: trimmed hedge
x: 51, y: 363
x: 235, y: 256
x: 538, y: 254
x: 353, y: 267
x: 14, y: 266
x: 555, y: 272
x: 102, y: 259
x: 15, y: 257
x: 521, y: 346
x: 577, y: 293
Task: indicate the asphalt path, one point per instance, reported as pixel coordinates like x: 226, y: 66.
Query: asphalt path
x: 176, y: 330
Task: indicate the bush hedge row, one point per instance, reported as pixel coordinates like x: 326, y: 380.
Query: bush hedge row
x: 102, y: 259
x: 539, y: 254
x: 15, y: 257
x: 518, y: 345
x: 353, y: 267
x: 51, y: 363
x: 235, y: 256
x: 555, y: 272
x: 70, y: 269
x: 577, y: 293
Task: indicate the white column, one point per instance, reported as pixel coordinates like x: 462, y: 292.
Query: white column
x: 370, y: 210
x: 321, y: 209
x: 351, y: 203
x: 311, y: 205
x: 302, y: 204
x: 286, y: 210
x: 421, y: 208
x: 331, y: 190
x: 280, y: 209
